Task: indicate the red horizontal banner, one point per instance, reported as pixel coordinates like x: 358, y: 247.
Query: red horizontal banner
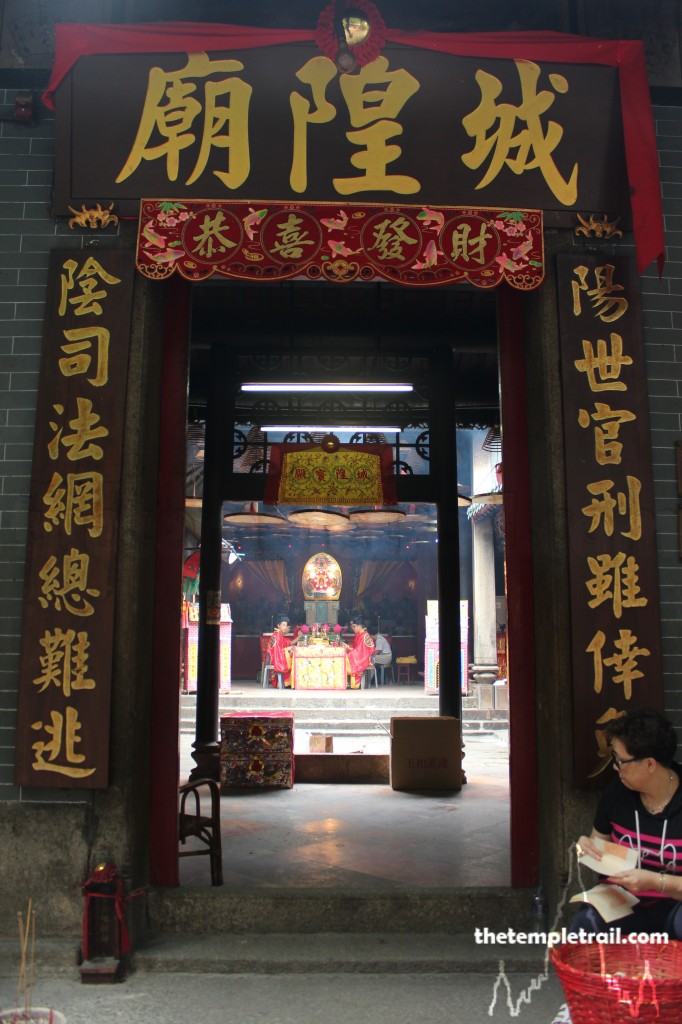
x: 410, y: 245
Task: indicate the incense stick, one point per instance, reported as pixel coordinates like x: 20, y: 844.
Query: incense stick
x: 25, y: 983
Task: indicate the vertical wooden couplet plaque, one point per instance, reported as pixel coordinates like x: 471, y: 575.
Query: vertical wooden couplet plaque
x: 69, y: 589
x: 611, y: 528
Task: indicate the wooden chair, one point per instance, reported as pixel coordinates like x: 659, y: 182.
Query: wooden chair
x: 267, y: 669
x: 202, y: 826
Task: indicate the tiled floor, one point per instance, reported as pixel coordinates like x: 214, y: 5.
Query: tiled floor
x: 341, y: 836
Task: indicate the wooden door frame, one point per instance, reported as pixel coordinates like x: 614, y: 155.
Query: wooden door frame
x: 524, y: 829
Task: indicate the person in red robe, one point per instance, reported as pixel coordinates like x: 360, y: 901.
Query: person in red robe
x: 279, y: 649
x: 359, y: 655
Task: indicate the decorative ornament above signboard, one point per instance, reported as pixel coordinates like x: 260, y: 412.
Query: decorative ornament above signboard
x: 410, y: 245
x: 352, y: 33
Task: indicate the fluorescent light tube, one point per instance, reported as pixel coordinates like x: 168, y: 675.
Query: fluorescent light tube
x: 287, y: 428
x: 297, y: 386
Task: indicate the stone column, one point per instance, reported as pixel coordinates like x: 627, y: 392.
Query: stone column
x: 484, y: 669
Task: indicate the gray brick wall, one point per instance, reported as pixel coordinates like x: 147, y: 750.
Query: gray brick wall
x: 662, y: 300
x: 27, y: 234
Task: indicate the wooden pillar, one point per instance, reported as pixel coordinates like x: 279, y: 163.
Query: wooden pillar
x: 163, y: 834
x: 206, y: 747
x: 523, y: 770
x: 443, y: 438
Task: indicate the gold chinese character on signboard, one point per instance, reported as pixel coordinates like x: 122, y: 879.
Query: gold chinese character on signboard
x: 389, y: 237
x: 609, y: 307
x: 624, y: 660
x: 79, y: 445
x: 376, y: 108
x: 603, y: 751
x: 615, y: 578
x: 318, y: 72
x: 63, y: 732
x: 211, y: 237
x: 493, y: 126
x: 601, y: 509
x: 374, y: 98
x: 604, y: 364
x: 64, y: 663
x: 465, y: 248
x: 78, y: 354
x: 79, y: 503
x: 69, y: 585
x: 607, y: 450
x: 171, y: 109
x: 595, y: 648
x: 88, y: 279
x: 291, y: 238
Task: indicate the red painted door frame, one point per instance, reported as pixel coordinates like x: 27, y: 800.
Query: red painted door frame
x: 168, y: 581
x: 524, y: 838
x: 170, y: 525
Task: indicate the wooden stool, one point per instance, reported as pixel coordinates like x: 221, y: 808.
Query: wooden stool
x: 368, y: 675
x: 404, y: 671
x: 384, y: 671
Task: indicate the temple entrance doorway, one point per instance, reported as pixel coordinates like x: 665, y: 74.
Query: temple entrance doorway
x: 300, y: 332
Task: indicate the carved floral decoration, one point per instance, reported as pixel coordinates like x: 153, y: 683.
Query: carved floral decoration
x: 364, y: 53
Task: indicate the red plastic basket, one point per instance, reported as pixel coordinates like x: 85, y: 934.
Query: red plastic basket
x: 618, y: 983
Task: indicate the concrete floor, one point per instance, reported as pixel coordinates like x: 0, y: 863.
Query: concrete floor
x: 334, y: 836
x: 331, y: 998
x: 366, y: 836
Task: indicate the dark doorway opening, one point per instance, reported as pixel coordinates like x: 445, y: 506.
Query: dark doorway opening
x: 299, y: 329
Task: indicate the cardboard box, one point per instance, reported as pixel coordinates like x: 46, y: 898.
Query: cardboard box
x: 426, y: 753
x: 320, y: 743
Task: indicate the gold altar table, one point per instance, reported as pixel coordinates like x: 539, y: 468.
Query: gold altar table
x: 318, y: 667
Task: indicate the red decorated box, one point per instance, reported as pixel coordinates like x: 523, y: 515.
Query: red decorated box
x: 257, y: 749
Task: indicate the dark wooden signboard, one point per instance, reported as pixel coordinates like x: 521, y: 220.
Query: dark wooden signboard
x: 69, y: 589
x: 280, y: 122
x: 611, y: 529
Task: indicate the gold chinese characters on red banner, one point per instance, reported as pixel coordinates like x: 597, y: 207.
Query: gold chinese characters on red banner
x: 410, y: 245
x: 67, y: 634
x: 343, y: 474
x: 611, y: 532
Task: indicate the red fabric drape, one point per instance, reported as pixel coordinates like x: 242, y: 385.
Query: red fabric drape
x: 74, y: 41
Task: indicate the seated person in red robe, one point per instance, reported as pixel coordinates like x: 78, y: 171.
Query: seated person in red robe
x: 360, y: 654
x: 280, y: 653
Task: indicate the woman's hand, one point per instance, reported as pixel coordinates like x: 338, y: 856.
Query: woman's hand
x: 586, y: 845
x: 637, y: 880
